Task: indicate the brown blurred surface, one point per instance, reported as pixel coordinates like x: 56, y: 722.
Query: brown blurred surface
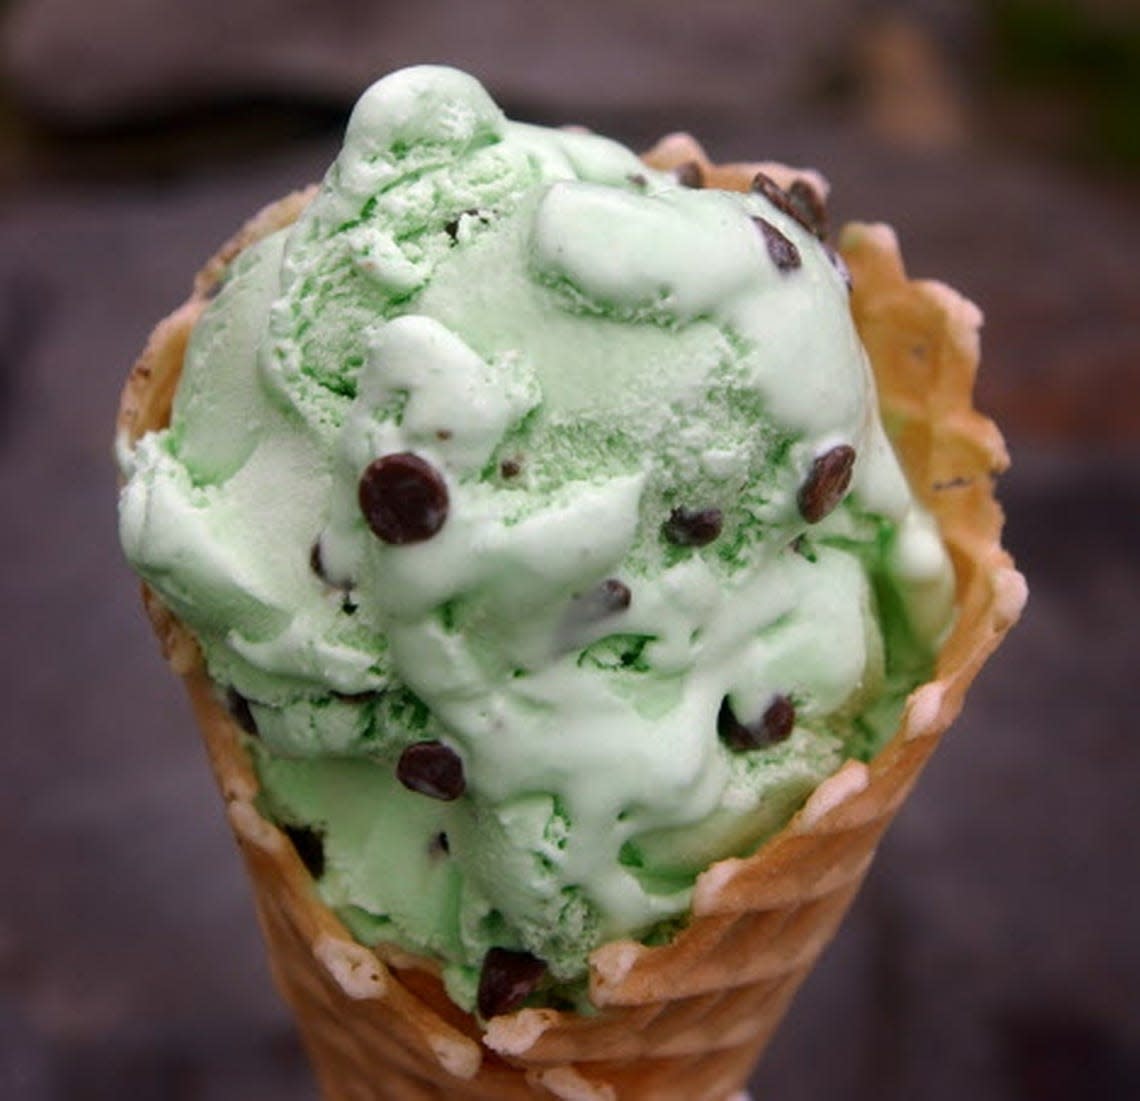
x: 995, y: 952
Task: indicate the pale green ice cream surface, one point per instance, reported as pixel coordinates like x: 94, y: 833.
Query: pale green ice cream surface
x: 600, y: 568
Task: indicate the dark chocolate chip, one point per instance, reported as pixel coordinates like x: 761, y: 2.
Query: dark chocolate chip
x: 779, y: 718
x: 730, y: 729
x: 432, y: 769
x: 801, y: 201
x: 510, y: 468
x: 452, y: 227
x: 615, y: 595
x: 604, y: 600
x: 638, y: 180
x: 348, y: 605
x: 784, y: 254
x: 774, y: 193
x: 692, y: 527
x: 827, y: 482
x: 317, y: 565
x: 508, y: 978
x: 403, y: 498
x: 317, y: 562
x: 777, y: 722
x: 238, y: 707
x: 310, y: 846
x: 443, y: 433
x: 840, y: 266
x: 440, y: 844
x: 690, y: 174
x: 808, y: 207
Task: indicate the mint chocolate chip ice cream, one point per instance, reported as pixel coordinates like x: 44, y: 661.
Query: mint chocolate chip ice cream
x: 534, y: 516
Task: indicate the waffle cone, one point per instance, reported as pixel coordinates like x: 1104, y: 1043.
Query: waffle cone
x: 688, y: 1019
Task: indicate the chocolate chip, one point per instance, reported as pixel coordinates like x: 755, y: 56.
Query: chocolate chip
x: 317, y: 565
x: 443, y: 433
x: 238, y: 707
x: 403, y: 498
x: 777, y: 722
x: 508, y: 978
x: 615, y: 595
x: 784, y: 254
x: 774, y: 193
x: 310, y: 846
x: 317, y: 562
x: 779, y: 718
x: 609, y: 597
x: 638, y: 180
x: 432, y: 769
x: 440, y: 844
x: 840, y: 266
x: 808, y: 207
x: 604, y: 600
x: 690, y: 174
x: 730, y: 729
x: 801, y: 201
x: 827, y: 482
x: 579, y: 625
x: 691, y: 527
x: 510, y: 468
x: 452, y: 227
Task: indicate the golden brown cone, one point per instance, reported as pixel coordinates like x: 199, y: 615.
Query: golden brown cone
x: 686, y: 1020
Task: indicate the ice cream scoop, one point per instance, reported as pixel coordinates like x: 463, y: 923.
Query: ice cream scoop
x: 533, y: 512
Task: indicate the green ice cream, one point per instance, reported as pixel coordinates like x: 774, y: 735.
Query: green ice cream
x: 534, y: 513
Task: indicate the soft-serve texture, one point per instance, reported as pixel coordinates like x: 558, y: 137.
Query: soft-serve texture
x: 534, y: 515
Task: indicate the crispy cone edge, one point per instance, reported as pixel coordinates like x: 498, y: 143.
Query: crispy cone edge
x: 687, y: 1019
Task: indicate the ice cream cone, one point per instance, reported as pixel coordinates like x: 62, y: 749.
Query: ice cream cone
x: 687, y: 1019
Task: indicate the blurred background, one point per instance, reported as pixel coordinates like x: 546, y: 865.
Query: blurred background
x: 995, y: 952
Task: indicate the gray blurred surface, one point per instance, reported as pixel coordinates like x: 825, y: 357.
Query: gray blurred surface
x: 994, y: 953
x: 637, y: 53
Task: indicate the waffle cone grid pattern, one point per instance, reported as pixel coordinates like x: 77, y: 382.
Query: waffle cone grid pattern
x: 686, y: 1020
